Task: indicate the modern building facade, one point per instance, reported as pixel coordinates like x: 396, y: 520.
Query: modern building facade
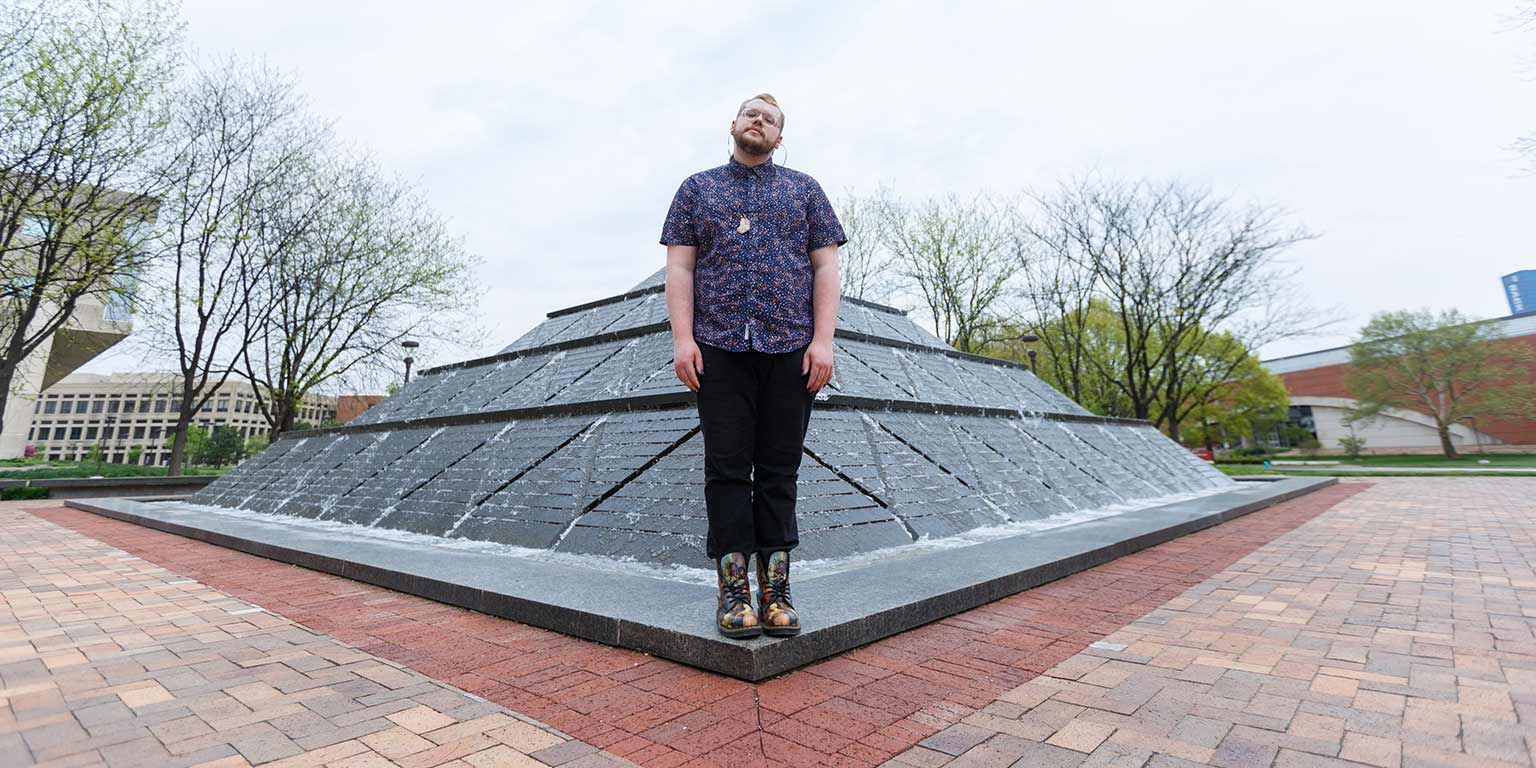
x: 121, y: 412
x: 99, y: 318
x: 1320, y: 401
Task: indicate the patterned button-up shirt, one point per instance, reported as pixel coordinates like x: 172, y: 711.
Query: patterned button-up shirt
x: 752, y: 290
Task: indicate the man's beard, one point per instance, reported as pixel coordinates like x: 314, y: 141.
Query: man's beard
x: 752, y: 145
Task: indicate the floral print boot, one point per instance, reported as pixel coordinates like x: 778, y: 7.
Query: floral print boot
x: 778, y: 613
x: 734, y: 616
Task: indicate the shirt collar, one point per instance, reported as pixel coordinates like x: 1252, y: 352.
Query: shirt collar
x: 738, y: 169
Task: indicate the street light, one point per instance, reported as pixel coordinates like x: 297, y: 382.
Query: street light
x: 1030, y: 338
x: 101, y: 437
x: 409, y: 346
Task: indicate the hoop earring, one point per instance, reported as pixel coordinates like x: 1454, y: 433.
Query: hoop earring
x: 784, y: 152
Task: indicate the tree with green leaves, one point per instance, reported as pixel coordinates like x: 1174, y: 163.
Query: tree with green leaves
x: 82, y: 107
x: 1214, y: 385
x: 222, y: 447
x: 195, y: 441
x: 1441, y: 364
x: 1082, y: 370
x: 1252, y: 402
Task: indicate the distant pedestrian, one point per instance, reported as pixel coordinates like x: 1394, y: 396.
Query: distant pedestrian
x: 752, y: 293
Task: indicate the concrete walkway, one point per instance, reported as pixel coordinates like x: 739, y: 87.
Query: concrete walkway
x: 107, y: 659
x: 1395, y: 629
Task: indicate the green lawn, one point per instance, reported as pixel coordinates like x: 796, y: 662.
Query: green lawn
x: 88, y: 469
x: 1466, y: 460
x: 1236, y: 470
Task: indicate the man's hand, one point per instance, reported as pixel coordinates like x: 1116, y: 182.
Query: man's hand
x: 688, y: 363
x: 818, y: 363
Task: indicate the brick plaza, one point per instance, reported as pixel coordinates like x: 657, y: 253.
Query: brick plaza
x: 1380, y: 623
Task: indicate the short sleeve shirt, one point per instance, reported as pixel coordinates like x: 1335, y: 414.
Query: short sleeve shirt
x: 752, y: 290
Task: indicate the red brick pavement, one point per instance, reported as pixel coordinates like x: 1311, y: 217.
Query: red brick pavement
x: 860, y: 708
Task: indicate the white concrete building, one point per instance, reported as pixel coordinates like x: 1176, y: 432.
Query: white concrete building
x: 124, y: 411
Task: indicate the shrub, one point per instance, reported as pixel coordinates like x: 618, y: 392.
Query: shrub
x: 1352, y: 445
x: 24, y: 493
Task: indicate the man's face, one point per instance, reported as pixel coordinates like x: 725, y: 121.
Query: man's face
x: 757, y: 128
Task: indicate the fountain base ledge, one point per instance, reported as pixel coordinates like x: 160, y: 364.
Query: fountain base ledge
x: 675, y: 620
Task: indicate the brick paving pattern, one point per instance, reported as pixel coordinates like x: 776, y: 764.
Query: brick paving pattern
x: 858, y: 709
x: 1398, y: 629
x: 106, y: 659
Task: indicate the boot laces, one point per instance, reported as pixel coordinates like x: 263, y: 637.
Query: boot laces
x: 780, y: 589
x: 737, y: 593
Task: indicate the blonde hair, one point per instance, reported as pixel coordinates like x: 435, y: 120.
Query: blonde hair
x: 768, y: 97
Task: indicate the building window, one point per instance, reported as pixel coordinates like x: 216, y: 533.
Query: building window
x: 42, y: 434
x: 90, y: 433
x: 81, y: 405
x: 112, y: 407
x: 159, y: 406
x: 154, y: 433
x: 49, y: 407
x: 74, y: 433
x: 122, y: 433
x: 223, y: 405
x: 97, y: 405
x: 138, y: 433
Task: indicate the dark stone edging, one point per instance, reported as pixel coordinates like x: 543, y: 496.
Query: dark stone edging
x: 681, y: 399
x: 673, y: 619
x: 72, y: 487
x: 603, y: 302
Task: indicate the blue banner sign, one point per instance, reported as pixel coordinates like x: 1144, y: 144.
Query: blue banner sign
x: 1520, y: 288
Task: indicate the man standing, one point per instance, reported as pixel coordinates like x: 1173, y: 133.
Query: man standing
x: 752, y: 292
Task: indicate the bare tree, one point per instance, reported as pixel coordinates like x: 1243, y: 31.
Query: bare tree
x: 80, y: 110
x: 956, y: 255
x: 238, y: 149
x: 378, y: 266
x: 864, y: 262
x: 1524, y: 19
x: 1192, y: 280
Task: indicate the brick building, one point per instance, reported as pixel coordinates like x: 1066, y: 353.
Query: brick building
x: 1320, y: 400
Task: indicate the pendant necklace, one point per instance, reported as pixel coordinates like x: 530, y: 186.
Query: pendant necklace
x: 744, y: 225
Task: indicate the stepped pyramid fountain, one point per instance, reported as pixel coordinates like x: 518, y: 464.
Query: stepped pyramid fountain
x: 578, y: 438
x: 559, y: 482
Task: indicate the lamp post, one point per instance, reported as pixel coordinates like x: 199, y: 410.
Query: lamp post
x: 409, y: 345
x: 101, y: 438
x: 1030, y: 338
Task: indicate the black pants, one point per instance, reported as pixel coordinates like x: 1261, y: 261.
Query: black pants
x: 753, y: 410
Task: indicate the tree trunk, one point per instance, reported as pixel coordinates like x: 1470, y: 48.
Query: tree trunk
x: 1446, y: 446
x: 7, y: 375
x: 1173, y: 430
x: 178, y: 447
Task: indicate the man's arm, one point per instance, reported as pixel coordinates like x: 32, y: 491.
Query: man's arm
x: 825, y: 293
x: 687, y: 363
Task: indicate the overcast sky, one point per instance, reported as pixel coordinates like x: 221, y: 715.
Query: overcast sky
x: 554, y: 135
